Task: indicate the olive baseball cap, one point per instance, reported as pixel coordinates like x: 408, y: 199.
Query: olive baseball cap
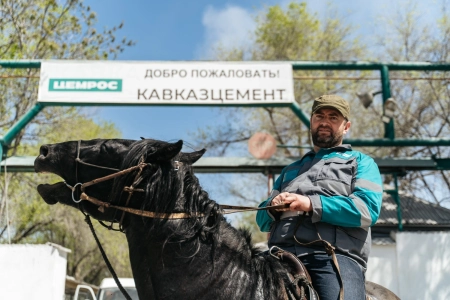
x: 332, y: 101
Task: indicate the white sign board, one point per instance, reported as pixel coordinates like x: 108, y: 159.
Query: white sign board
x: 178, y: 83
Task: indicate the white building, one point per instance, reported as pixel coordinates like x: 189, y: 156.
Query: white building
x: 413, y: 263
x: 33, y: 271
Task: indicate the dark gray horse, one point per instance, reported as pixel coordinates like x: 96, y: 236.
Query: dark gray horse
x: 183, y: 248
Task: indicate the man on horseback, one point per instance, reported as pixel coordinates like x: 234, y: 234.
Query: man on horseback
x: 334, y: 194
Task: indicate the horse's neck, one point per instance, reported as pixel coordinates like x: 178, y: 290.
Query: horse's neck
x: 178, y: 270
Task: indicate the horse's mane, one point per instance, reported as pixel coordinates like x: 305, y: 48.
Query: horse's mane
x: 169, y: 191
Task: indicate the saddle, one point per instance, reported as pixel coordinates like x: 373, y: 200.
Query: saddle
x: 298, y: 281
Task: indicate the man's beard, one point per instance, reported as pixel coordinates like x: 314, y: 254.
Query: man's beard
x: 330, y: 141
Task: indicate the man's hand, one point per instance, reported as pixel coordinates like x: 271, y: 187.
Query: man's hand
x: 297, y: 202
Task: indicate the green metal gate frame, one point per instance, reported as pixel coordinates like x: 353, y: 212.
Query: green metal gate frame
x: 389, y: 139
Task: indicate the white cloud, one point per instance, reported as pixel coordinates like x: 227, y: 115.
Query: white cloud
x: 228, y: 28
x: 232, y: 25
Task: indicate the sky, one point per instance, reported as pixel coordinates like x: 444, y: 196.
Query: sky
x: 180, y: 30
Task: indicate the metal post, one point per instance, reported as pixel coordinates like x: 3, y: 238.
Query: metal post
x: 19, y: 125
x: 269, y: 183
x: 368, y: 65
x: 386, y: 92
x: 396, y: 197
x: 398, y: 142
x: 20, y: 64
x: 397, y: 200
x: 300, y: 114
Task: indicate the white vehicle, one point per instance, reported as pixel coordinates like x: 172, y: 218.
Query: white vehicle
x: 110, y: 291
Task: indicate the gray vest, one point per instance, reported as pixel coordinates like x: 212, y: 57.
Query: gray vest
x: 335, y: 176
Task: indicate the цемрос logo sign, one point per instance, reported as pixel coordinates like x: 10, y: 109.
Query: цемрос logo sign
x: 85, y: 85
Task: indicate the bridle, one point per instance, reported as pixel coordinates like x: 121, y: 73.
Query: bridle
x: 102, y: 204
x: 227, y: 209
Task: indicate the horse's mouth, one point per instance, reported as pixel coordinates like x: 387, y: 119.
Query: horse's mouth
x: 45, y: 164
x: 53, y: 193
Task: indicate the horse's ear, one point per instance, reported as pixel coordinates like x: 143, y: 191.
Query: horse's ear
x: 167, y: 152
x: 192, y: 157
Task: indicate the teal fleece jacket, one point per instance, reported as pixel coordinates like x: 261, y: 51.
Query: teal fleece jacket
x: 345, y: 189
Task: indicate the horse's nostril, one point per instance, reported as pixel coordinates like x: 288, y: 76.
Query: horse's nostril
x: 44, y: 150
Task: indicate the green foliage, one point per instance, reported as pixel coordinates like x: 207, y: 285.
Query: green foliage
x: 286, y: 35
x: 49, y: 29
x: 34, y: 221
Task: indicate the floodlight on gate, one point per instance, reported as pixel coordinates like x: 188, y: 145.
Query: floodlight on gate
x: 367, y: 97
x: 390, y: 106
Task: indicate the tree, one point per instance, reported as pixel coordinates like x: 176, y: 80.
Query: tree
x: 288, y: 35
x: 50, y: 29
x: 423, y: 105
x: 33, y: 221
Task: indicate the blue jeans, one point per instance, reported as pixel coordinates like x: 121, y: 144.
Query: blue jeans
x: 325, y: 278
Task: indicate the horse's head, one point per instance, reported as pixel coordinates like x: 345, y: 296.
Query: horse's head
x: 98, y: 158
x: 61, y: 159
